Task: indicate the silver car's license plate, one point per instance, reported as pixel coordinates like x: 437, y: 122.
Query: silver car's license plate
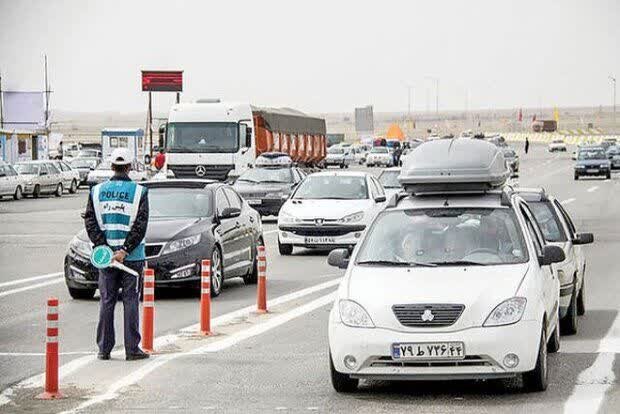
x: 320, y: 240
x: 428, y: 350
x: 592, y: 170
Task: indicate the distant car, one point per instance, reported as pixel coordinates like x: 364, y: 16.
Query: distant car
x: 557, y: 145
x: 613, y: 154
x: 592, y: 161
x: 558, y: 229
x: 379, y: 156
x: 328, y: 210
x: 42, y: 177
x: 70, y: 176
x: 389, y: 180
x: 189, y: 220
x: 338, y: 156
x: 608, y: 142
x: 89, y: 153
x: 84, y: 166
x: 104, y: 172
x: 11, y: 183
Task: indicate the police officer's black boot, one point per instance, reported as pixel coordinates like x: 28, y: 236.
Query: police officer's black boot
x: 137, y: 355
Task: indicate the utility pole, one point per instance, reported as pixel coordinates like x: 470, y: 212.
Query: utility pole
x: 613, y: 82
x: 47, y: 98
x: 1, y: 111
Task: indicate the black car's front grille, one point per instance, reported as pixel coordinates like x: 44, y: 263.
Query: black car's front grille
x: 212, y: 172
x: 322, y: 230
x: 427, y: 315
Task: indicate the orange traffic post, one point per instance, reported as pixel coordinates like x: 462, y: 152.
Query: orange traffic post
x: 51, y: 352
x: 148, y: 310
x: 205, y: 298
x: 261, y: 293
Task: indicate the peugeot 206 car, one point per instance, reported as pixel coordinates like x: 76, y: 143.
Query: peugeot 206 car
x: 591, y: 162
x: 328, y: 210
x: 379, y: 156
x: 269, y: 184
x: 452, y: 280
x: 338, y: 156
x: 84, y: 166
x: 189, y: 220
x: 558, y: 228
x: 103, y: 172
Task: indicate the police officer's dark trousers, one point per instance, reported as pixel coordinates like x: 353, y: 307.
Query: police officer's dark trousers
x: 110, y: 281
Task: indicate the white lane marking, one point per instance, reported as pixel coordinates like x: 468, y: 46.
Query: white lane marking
x: 568, y: 201
x: 42, y: 354
x: 270, y: 231
x: 115, y: 388
x: 29, y: 279
x: 36, y: 235
x: 162, y: 341
x: 592, y: 189
x: 25, y: 288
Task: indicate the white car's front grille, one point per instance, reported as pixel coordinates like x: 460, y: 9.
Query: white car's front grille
x: 468, y: 361
x: 426, y: 315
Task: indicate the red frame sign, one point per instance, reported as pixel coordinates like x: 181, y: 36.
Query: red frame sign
x: 162, y: 81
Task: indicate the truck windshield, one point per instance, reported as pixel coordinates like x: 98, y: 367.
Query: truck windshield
x: 203, y: 137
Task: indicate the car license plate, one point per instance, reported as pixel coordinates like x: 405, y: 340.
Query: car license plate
x: 428, y: 350
x: 255, y: 202
x: 320, y: 240
x: 592, y: 170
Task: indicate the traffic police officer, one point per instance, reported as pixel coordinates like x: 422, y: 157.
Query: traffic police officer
x: 117, y: 216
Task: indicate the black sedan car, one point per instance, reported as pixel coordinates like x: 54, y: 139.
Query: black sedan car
x: 592, y: 161
x: 189, y: 220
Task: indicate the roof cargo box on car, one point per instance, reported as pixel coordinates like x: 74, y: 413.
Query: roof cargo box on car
x: 454, y: 165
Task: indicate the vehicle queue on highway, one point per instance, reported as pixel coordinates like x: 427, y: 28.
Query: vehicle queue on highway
x: 411, y: 235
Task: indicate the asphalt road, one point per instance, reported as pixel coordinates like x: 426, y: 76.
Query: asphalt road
x: 278, y: 362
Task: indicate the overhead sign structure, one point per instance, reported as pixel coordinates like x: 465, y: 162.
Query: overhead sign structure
x: 162, y: 81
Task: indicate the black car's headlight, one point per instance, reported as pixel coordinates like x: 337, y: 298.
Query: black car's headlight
x: 81, y: 247
x: 180, y: 244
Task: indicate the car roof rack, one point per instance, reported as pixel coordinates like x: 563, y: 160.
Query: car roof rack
x: 454, y: 166
x: 273, y: 160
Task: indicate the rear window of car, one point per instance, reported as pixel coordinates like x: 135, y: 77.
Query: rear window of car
x: 548, y: 221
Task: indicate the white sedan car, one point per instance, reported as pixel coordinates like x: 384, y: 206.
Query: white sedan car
x: 440, y: 288
x: 557, y: 145
x: 329, y: 209
x: 379, y: 156
x: 104, y: 172
x: 70, y: 176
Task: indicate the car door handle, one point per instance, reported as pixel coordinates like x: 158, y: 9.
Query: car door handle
x: 237, y: 225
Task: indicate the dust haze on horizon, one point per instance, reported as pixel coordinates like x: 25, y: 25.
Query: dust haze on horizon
x: 316, y: 56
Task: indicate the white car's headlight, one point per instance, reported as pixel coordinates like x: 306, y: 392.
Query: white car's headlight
x: 352, y: 218
x: 180, y: 244
x: 286, y: 218
x: 354, y: 315
x: 506, y: 313
x: 81, y: 247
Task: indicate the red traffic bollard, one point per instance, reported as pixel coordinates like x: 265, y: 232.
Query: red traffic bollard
x: 148, y: 310
x: 205, y: 298
x: 51, y: 353
x: 261, y: 293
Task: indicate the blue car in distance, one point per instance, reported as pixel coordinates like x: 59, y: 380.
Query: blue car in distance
x: 592, y: 161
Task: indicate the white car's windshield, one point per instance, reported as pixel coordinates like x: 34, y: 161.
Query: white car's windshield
x: 333, y: 150
x: 179, y: 202
x: 337, y: 187
x: 83, y: 163
x: 445, y: 236
x: 379, y: 150
x: 267, y: 175
x: 27, y: 168
x: 205, y: 137
x: 389, y: 179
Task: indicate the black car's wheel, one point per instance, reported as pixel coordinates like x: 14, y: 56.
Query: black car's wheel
x: 252, y: 277
x: 608, y: 176
x: 58, y: 192
x: 341, y: 166
x: 81, y: 293
x: 74, y: 187
x: 18, y: 193
x: 37, y: 191
x: 537, y: 379
x: 581, y: 298
x: 341, y: 382
x: 576, y: 177
x: 570, y: 322
x: 285, y: 249
x: 217, y: 272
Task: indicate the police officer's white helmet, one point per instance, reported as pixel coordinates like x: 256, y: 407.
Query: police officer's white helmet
x: 121, y: 156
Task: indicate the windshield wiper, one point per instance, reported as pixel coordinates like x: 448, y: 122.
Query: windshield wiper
x: 180, y: 149
x: 460, y: 263
x: 395, y: 263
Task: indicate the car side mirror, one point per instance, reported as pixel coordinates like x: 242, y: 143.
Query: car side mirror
x: 551, y: 254
x: 230, y: 212
x: 380, y: 199
x: 583, y: 238
x: 339, y: 258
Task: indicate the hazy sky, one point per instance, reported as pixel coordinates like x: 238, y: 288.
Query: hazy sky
x: 317, y: 56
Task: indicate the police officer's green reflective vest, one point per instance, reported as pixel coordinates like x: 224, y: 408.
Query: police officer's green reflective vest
x: 116, y: 205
